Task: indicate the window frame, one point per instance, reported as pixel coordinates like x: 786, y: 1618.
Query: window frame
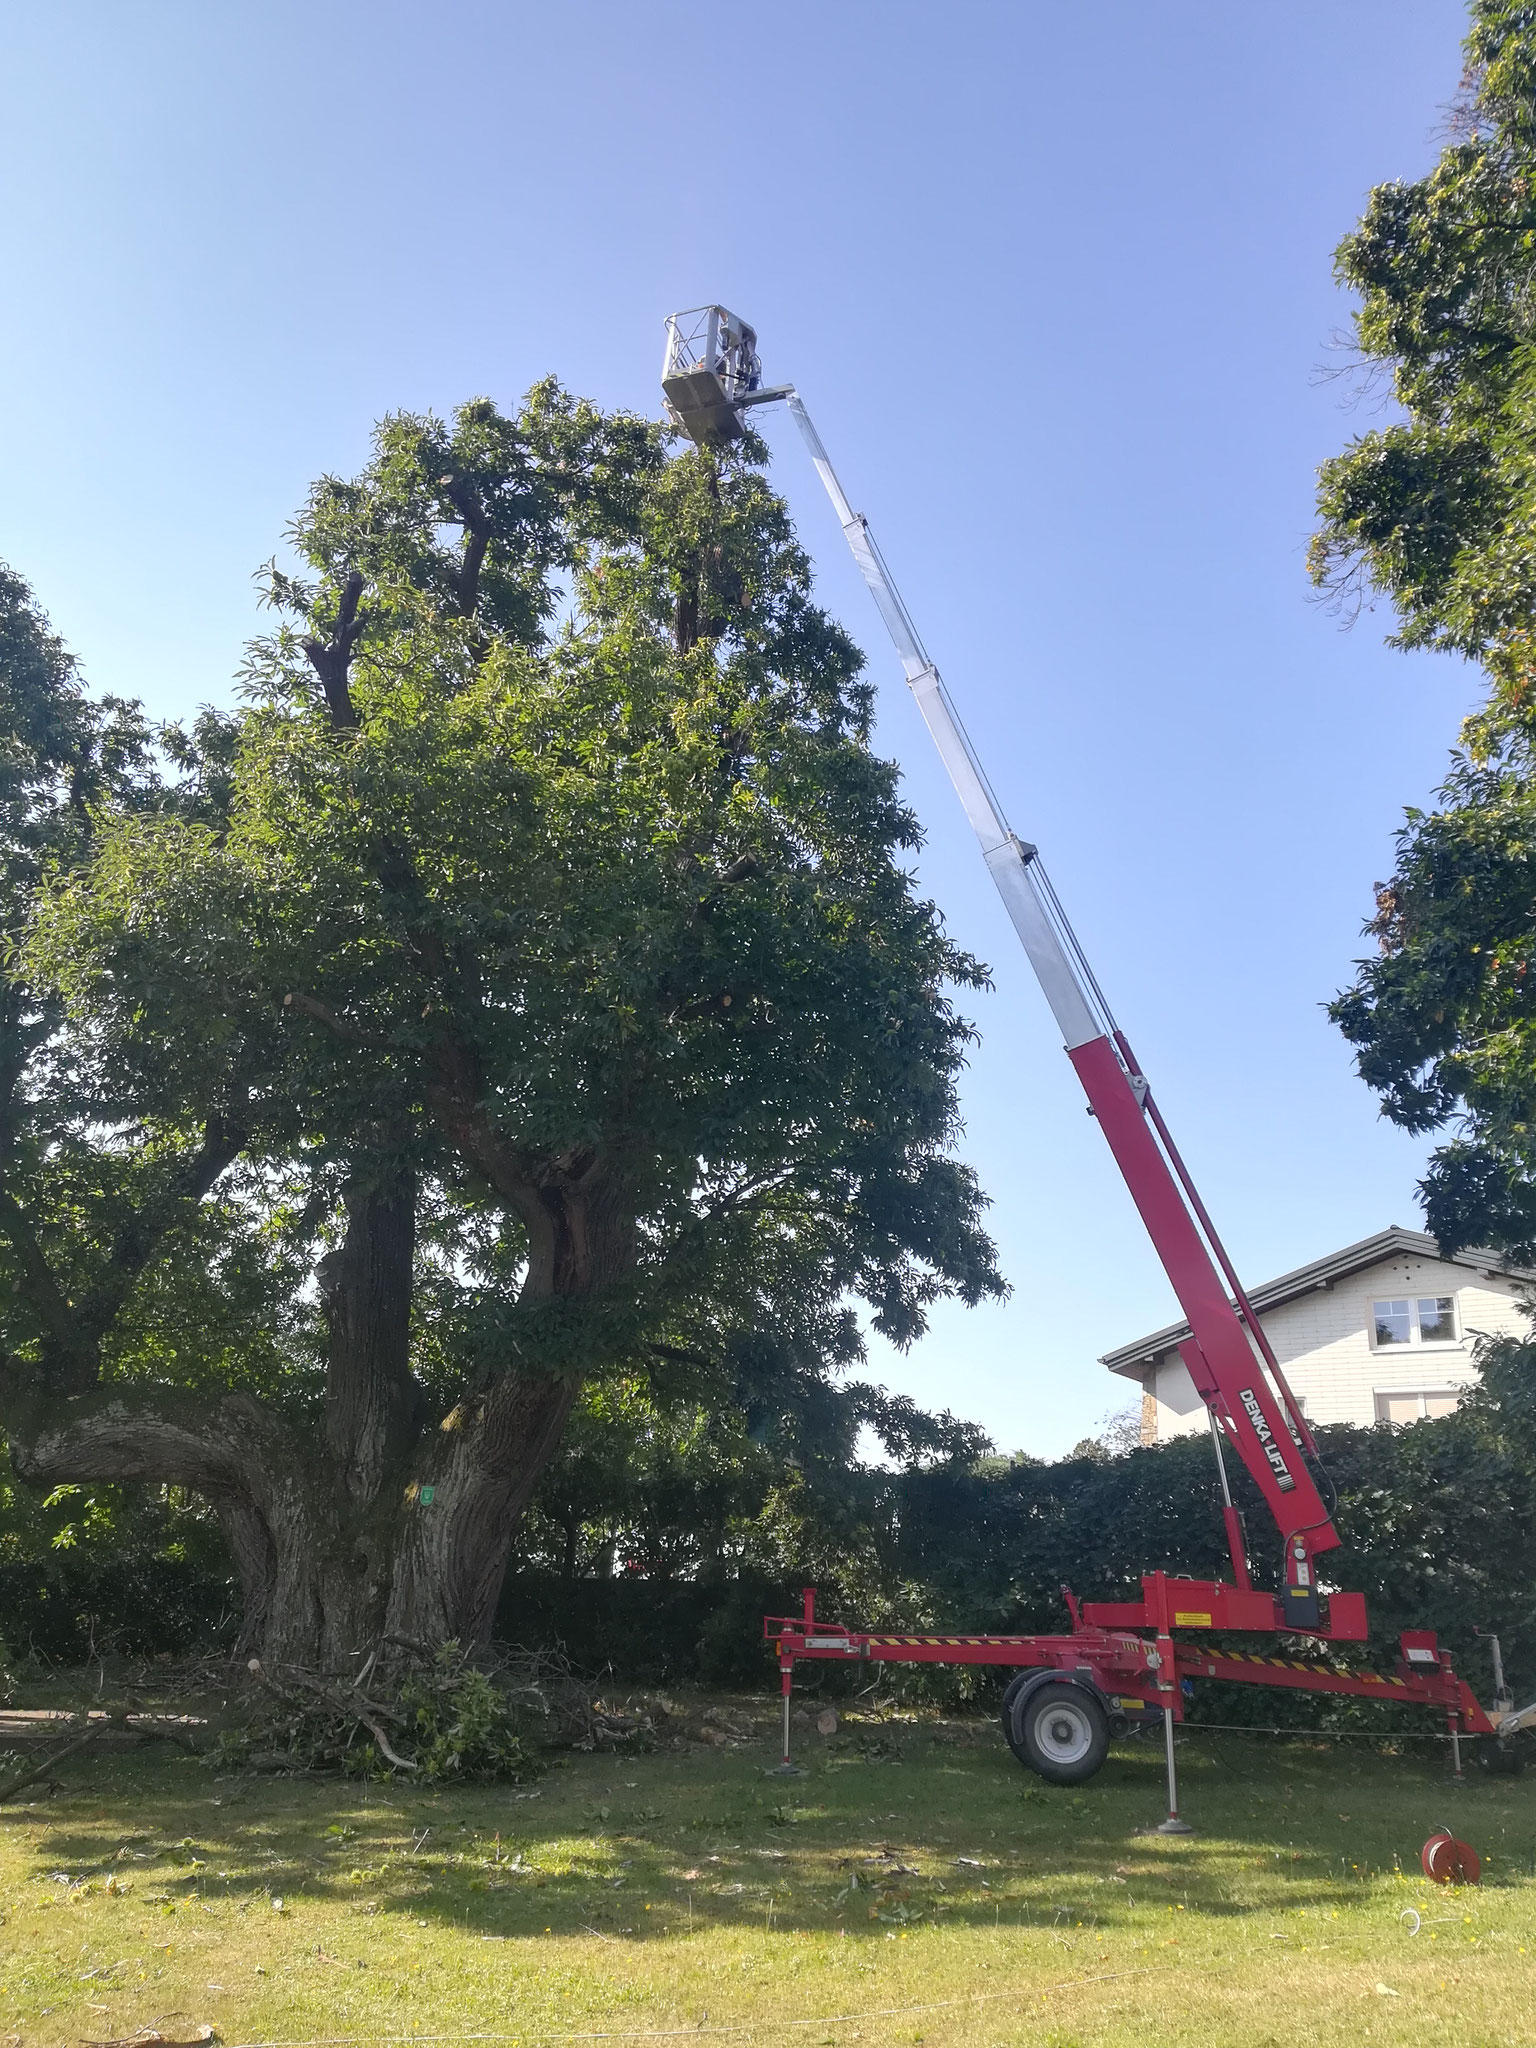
x: 1417, y: 1341
x: 1419, y: 1394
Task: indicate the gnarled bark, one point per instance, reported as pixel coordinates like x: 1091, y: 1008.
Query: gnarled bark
x: 371, y: 1397
x: 471, y: 1487
x: 381, y: 1524
x: 255, y: 1559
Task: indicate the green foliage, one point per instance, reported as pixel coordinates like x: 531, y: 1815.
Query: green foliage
x: 1436, y: 511
x: 112, y: 1571
x: 1443, y: 1018
x: 436, y: 1721
x: 568, y: 888
x: 672, y: 1490
x: 83, y: 1174
x: 461, y: 1725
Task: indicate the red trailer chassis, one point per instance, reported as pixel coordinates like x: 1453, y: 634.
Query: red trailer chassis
x: 1136, y: 1655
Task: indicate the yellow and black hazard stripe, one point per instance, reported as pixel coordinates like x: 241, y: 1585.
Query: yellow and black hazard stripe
x: 941, y: 1642
x: 1301, y: 1664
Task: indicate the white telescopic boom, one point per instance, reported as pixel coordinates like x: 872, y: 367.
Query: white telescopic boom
x: 1063, y: 973
x: 1230, y: 1359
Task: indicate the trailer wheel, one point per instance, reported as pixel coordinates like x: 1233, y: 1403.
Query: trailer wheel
x: 1011, y: 1693
x: 1058, y: 1729
x: 1499, y: 1759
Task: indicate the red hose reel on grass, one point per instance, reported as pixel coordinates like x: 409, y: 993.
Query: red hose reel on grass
x: 1447, y: 1861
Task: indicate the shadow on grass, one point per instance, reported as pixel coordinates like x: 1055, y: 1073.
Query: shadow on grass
x: 939, y: 1834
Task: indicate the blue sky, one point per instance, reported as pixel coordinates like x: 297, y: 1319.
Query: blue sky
x: 1056, y: 283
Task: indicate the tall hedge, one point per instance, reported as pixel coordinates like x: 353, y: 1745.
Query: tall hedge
x: 1439, y: 1522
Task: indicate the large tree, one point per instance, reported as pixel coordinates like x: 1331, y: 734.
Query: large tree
x: 1437, y: 511
x: 524, y: 988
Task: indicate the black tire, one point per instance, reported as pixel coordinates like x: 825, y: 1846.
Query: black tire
x: 1011, y: 1693
x: 1499, y: 1759
x: 1060, y: 1730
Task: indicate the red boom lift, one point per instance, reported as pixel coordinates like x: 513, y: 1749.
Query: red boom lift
x: 1123, y: 1663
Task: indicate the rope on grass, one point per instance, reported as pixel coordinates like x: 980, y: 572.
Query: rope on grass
x: 838, y: 2019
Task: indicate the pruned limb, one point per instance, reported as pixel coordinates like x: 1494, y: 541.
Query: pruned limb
x: 22, y: 1779
x: 348, y: 1704
x: 400, y: 1763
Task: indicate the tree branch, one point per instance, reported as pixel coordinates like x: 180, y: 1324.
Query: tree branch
x: 69, y: 1355
x: 332, y: 659
x: 477, y: 538
x: 141, y: 1236
x: 343, y: 1027
x: 455, y: 1105
x: 739, y: 869
x: 126, y: 1432
x: 72, y: 1332
x: 676, y: 1354
x: 454, y: 1101
x: 30, y: 1773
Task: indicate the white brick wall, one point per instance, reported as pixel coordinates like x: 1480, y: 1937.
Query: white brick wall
x: 1323, y: 1342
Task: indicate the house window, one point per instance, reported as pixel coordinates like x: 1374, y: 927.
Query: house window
x: 1400, y: 1404
x: 1414, y: 1319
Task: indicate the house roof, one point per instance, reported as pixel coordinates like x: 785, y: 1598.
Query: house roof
x: 1354, y: 1258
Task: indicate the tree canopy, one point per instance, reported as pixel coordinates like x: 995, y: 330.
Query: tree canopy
x: 523, y: 988
x: 1437, y: 511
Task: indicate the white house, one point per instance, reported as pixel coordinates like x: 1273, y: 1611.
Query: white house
x: 1382, y: 1331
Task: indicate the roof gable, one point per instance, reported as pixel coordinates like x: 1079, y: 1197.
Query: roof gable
x: 1393, y: 1242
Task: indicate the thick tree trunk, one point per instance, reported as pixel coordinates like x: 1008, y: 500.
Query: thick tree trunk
x: 371, y: 1398
x: 255, y: 1560
x: 326, y: 1576
x: 277, y: 1499
x: 369, y: 1527
x: 475, y: 1481
x: 334, y: 1518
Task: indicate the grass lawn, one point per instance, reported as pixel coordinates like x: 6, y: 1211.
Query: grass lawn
x: 915, y: 1885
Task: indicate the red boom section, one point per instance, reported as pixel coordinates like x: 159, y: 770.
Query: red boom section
x: 1226, y: 1370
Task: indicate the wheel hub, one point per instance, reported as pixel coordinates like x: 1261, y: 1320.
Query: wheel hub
x: 1064, y: 1733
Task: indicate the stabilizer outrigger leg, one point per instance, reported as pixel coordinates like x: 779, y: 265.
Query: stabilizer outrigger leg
x: 784, y: 1768
x: 1172, y: 1825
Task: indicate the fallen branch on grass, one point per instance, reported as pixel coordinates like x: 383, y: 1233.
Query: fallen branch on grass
x: 151, y: 2037
x: 444, y: 1718
x: 87, y: 1728
x: 444, y: 1714
x: 20, y: 1780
